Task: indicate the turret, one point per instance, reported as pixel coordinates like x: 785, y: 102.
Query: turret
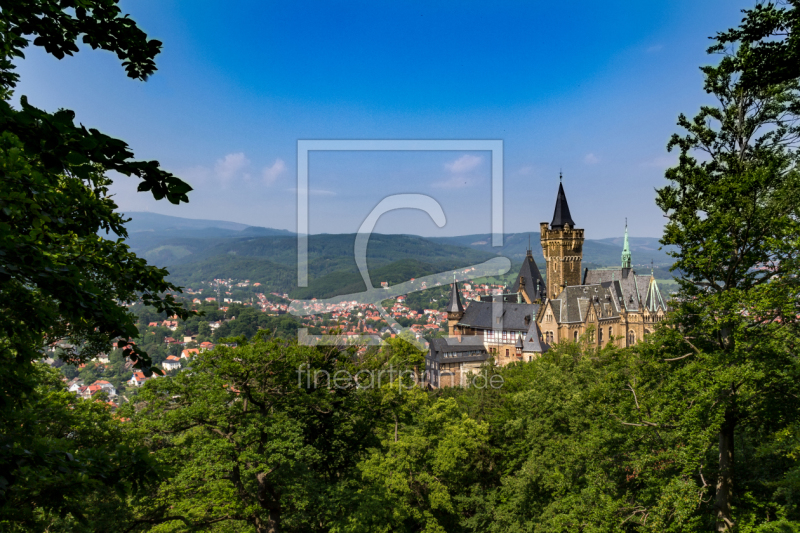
x: 626, y: 250
x: 455, y: 310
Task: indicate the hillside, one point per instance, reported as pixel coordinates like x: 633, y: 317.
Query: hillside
x: 201, y: 250
x: 332, y: 268
x: 603, y: 252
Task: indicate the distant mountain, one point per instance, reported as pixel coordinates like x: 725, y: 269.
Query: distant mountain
x: 332, y: 269
x: 169, y: 226
x: 196, y: 250
x: 602, y: 252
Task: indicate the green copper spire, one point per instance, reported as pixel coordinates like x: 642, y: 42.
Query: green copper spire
x: 626, y: 250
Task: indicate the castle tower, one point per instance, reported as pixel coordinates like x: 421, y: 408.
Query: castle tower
x: 562, y: 245
x: 455, y: 311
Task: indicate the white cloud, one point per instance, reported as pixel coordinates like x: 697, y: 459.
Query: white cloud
x: 230, y: 165
x: 465, y: 163
x: 655, y: 48
x: 270, y: 174
x: 591, y: 159
x: 456, y: 182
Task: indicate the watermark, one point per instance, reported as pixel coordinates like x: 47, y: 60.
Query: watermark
x: 375, y: 379
x: 375, y: 296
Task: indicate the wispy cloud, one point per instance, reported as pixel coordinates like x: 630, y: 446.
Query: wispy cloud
x: 591, y: 159
x: 229, y: 166
x: 463, y: 164
x: 654, y: 48
x: 271, y: 173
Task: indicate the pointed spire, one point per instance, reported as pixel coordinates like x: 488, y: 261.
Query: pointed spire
x: 454, y: 306
x: 626, y: 249
x: 561, y: 214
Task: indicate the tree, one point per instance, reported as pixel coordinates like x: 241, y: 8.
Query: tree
x: 733, y: 214
x: 63, y: 452
x: 421, y: 480
x: 59, y: 279
x: 258, y: 435
x: 769, y: 44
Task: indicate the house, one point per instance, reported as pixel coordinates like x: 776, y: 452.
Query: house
x: 171, y: 324
x: 189, y: 338
x: 211, y: 299
x: 106, y: 386
x: 138, y: 379
x: 75, y: 385
x: 103, y: 358
x: 206, y: 346
x: 172, y: 363
x: 152, y: 325
x: 189, y: 353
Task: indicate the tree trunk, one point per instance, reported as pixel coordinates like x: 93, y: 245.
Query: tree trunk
x: 725, y: 477
x: 269, y: 499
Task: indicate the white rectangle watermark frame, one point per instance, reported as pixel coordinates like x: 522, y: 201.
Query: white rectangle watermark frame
x: 304, y: 146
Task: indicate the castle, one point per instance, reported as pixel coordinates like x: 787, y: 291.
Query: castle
x: 609, y: 305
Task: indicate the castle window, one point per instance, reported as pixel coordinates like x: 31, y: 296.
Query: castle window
x: 575, y: 336
x: 600, y: 335
x: 631, y: 338
x: 610, y: 334
x: 506, y: 352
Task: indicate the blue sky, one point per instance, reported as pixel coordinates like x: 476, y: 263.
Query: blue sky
x: 589, y: 88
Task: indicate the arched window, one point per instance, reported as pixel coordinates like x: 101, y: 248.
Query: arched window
x: 600, y: 335
x: 575, y: 336
x: 610, y: 332
x: 631, y: 338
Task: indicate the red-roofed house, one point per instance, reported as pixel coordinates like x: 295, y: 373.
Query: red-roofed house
x: 106, y: 386
x: 189, y: 352
x: 172, y: 363
x: 138, y: 379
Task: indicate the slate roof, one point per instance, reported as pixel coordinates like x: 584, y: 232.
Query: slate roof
x: 637, y: 291
x: 532, y: 282
x: 455, y: 306
x: 532, y: 341
x: 479, y: 316
x: 464, y: 345
x: 575, y: 301
x: 561, y: 214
